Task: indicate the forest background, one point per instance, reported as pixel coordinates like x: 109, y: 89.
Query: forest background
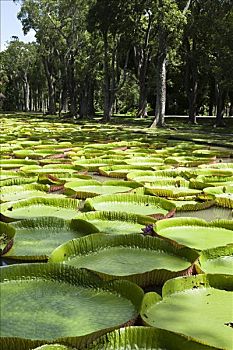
x: 140, y: 57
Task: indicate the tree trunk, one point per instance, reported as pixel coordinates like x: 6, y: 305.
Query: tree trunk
x: 192, y: 97
x: 26, y: 94
x: 221, y: 96
x: 90, y: 100
x: 191, y: 76
x: 212, y: 99
x: 161, y: 81
x: 142, y: 57
x: 107, y: 86
x: 142, y: 107
x: 51, y: 94
x: 72, y: 87
x: 231, y: 103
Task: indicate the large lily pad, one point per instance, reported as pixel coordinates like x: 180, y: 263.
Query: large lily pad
x: 111, y: 222
x: 172, y: 188
x: 15, y: 163
x: 120, y: 171
x: 216, y: 260
x: 95, y: 164
x: 18, y: 180
x: 144, y: 338
x: 223, y: 195
x: 54, y: 347
x: 51, y: 303
x: 35, y: 207
x: 197, y: 307
x: 35, y: 239
x: 131, y: 203
x: 91, y: 188
x: 194, y: 233
x: 18, y: 192
x: 114, y: 257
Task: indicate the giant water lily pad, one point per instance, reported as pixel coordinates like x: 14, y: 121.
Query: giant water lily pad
x: 120, y: 171
x: 146, y: 176
x: 194, y: 233
x: 197, y: 307
x: 91, y: 188
x: 95, y: 164
x: 114, y: 257
x: 54, y: 303
x: 172, y: 188
x: 145, y: 161
x: 35, y: 207
x: 18, y: 192
x: 15, y: 163
x: 54, y: 347
x: 207, y: 213
x: 223, y: 195
x: 216, y: 260
x: 111, y: 222
x: 144, y: 338
x: 185, y: 204
x: 18, y: 180
x: 35, y: 239
x: 131, y: 203
x: 51, y: 169
x: 202, y: 181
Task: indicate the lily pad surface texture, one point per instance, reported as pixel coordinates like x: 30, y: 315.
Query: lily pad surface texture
x: 198, y: 307
x: 114, y: 236
x: 52, y: 303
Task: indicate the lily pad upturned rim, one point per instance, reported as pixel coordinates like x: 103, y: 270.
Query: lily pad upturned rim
x: 181, y: 284
x: 84, y: 217
x: 97, y: 242
x: 192, y: 222
x: 72, y: 276
x: 213, y: 253
x: 131, y: 198
x: 149, y: 337
x: 43, y: 222
x: 7, y: 208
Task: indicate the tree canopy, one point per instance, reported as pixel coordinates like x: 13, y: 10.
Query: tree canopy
x: 111, y: 56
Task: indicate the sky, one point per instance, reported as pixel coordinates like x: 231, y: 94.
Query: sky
x: 10, y: 25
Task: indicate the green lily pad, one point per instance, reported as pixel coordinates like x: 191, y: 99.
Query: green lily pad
x: 35, y: 239
x: 15, y: 163
x: 35, y: 207
x: 111, y: 222
x: 18, y: 180
x: 207, y: 213
x: 53, y: 303
x: 184, y: 205
x: 116, y: 257
x: 197, y: 307
x: 195, y: 233
x: 223, y: 195
x: 54, y: 347
x: 130, y: 203
x: 120, y: 171
x: 144, y: 338
x: 87, y: 189
x: 145, y: 161
x: 172, y: 188
x: 216, y: 260
x: 18, y: 192
x: 95, y: 164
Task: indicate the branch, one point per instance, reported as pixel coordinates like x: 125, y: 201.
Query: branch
x: 187, y: 6
x: 124, y: 74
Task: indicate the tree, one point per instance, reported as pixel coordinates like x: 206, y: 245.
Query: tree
x: 113, y: 20
x: 170, y: 21
x: 19, y: 82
